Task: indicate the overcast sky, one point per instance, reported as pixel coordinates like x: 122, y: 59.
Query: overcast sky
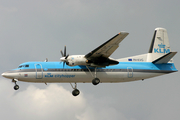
x: 34, y: 30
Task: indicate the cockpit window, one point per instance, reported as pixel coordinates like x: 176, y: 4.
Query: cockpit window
x: 26, y: 65
x: 20, y: 66
x: 23, y: 66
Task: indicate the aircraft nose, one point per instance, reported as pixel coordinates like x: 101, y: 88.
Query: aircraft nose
x: 10, y: 74
x: 3, y: 74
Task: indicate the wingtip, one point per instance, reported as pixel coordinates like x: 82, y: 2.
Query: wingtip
x: 123, y: 32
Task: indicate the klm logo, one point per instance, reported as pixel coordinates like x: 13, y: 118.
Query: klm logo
x: 161, y: 49
x: 48, y: 75
x: 161, y: 45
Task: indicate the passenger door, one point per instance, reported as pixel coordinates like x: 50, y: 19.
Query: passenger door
x: 130, y: 72
x: 39, y: 71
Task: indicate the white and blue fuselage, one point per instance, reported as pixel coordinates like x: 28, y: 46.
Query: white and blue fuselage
x: 53, y: 72
x: 97, y: 66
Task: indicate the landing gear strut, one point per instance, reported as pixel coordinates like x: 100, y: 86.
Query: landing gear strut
x: 75, y: 92
x: 96, y: 80
x: 16, y: 87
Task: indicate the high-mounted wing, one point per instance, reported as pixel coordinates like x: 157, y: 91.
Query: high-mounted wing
x: 100, y: 54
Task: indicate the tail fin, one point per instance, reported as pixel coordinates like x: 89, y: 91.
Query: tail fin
x: 159, y: 46
x: 160, y: 42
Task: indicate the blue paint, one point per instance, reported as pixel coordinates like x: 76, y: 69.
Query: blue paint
x: 161, y: 45
x: 161, y: 49
x: 121, y: 65
x: 129, y: 59
x: 157, y: 50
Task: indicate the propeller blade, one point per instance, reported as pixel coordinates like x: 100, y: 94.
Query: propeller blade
x: 64, y: 51
x: 64, y: 57
x: 67, y: 56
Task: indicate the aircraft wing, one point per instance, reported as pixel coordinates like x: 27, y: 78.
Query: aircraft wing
x: 105, y: 50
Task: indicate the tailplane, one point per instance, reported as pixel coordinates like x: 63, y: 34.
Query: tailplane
x: 165, y: 58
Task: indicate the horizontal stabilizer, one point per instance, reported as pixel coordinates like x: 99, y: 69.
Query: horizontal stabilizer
x: 165, y: 58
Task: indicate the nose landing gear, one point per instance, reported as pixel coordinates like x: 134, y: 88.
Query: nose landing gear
x: 16, y: 87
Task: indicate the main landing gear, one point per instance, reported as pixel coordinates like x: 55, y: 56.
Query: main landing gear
x: 95, y: 81
x: 75, y: 92
x: 16, y: 87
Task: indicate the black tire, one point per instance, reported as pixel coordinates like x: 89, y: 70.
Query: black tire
x: 95, y: 81
x: 16, y: 87
x: 75, y: 92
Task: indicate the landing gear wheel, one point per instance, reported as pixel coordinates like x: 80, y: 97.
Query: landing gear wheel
x: 95, y: 81
x: 75, y: 92
x: 16, y: 87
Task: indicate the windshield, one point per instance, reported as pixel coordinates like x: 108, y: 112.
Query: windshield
x: 23, y: 66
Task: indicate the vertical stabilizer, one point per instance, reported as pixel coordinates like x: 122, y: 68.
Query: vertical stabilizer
x: 159, y: 45
x: 160, y: 42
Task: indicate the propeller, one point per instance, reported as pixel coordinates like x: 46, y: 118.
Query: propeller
x: 64, y: 57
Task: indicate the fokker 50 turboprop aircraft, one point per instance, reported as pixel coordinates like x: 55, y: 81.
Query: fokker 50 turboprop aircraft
x: 97, y: 66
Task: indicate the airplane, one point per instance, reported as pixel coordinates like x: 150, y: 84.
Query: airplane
x: 97, y: 66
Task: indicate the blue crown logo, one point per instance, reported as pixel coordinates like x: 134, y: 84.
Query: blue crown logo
x: 161, y: 45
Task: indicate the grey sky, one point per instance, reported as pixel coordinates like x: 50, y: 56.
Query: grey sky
x: 37, y: 29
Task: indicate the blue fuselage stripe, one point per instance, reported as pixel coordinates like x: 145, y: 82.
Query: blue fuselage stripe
x: 136, y: 66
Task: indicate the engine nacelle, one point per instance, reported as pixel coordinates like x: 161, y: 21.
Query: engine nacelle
x: 74, y: 60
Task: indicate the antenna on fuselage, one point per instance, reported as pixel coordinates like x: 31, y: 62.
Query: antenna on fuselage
x: 46, y: 60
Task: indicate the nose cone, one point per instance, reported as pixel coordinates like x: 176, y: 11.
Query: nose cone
x: 11, y: 74
x: 3, y: 74
x: 6, y: 75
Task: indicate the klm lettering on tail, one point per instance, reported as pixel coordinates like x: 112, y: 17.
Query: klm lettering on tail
x: 157, y: 50
x: 161, y: 49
